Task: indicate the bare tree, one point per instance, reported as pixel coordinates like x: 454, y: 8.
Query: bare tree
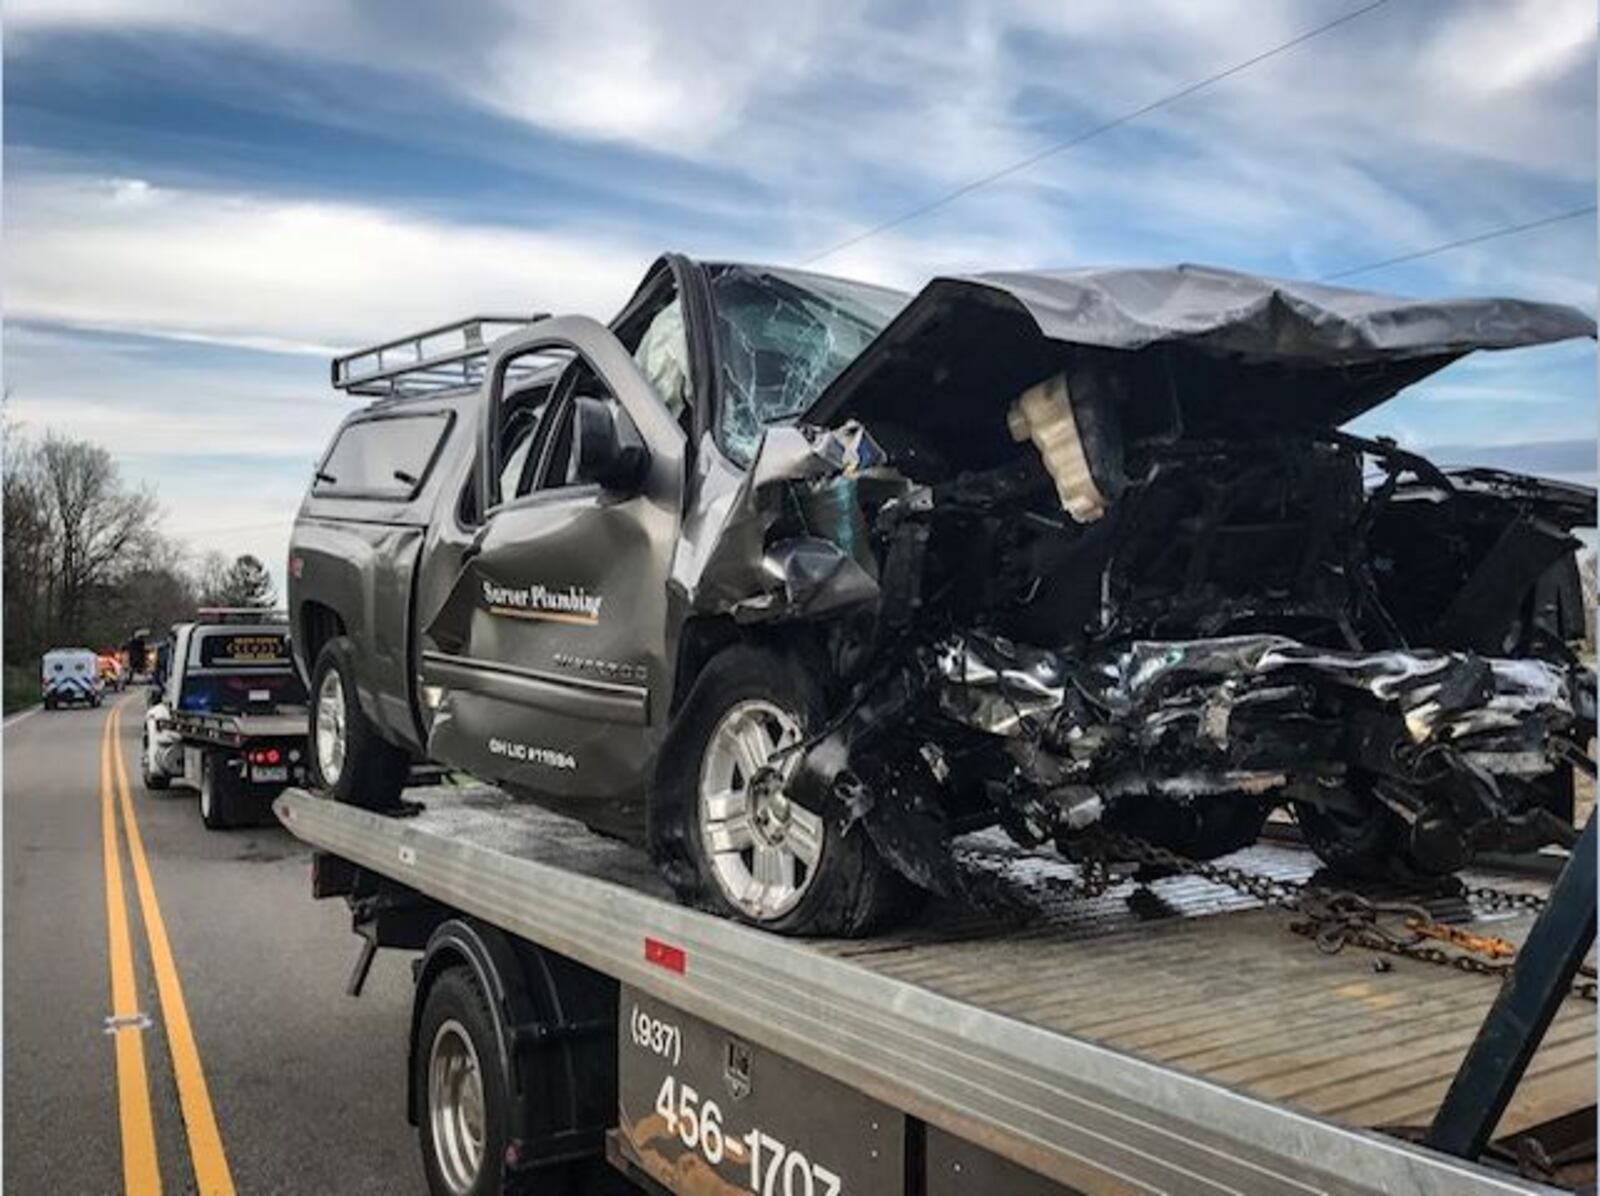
x: 211, y: 579
x: 83, y: 561
x: 100, y: 525
x: 25, y: 540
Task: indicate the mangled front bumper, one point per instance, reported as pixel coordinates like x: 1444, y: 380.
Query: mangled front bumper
x: 1259, y: 712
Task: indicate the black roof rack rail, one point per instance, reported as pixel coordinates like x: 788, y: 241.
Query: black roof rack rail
x: 448, y: 357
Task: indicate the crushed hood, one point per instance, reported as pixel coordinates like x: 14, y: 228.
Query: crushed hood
x: 1222, y: 348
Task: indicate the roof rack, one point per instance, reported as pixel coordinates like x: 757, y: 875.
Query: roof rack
x: 448, y: 357
x: 210, y: 615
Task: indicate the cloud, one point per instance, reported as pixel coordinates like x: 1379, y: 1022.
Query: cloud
x: 626, y: 70
x: 297, y: 275
x: 777, y: 90
x: 1408, y: 126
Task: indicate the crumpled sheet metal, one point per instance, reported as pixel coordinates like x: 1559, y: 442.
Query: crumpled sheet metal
x: 998, y: 688
x: 1442, y: 695
x: 1271, y: 318
x: 1264, y: 318
x: 1288, y: 346
x: 807, y: 577
x: 753, y: 577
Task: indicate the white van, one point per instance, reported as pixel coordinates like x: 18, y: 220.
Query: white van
x: 69, y: 675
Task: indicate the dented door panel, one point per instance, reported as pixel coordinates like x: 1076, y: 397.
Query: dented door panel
x: 550, y: 646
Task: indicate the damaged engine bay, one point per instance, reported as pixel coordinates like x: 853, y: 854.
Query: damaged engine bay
x: 1089, y: 551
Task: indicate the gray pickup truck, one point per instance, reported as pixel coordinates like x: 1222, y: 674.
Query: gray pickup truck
x: 797, y: 579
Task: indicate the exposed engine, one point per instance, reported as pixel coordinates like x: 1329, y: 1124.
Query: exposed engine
x: 1168, y: 636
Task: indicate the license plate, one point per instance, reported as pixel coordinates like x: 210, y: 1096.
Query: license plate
x: 266, y: 774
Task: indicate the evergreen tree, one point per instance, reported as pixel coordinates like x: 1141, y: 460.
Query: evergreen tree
x: 247, y: 583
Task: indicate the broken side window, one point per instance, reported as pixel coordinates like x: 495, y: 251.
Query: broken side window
x: 783, y: 336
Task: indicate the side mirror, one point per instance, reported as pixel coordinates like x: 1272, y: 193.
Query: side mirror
x: 606, y: 446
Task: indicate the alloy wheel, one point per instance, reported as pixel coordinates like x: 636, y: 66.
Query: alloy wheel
x: 456, y: 1106
x: 764, y: 848
x: 330, y: 727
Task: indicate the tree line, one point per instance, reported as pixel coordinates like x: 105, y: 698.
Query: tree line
x: 85, y: 560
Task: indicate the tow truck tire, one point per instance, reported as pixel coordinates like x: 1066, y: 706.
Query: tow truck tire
x: 465, y: 1106
x: 220, y: 800
x: 849, y: 891
x: 152, y: 781
x: 370, y: 771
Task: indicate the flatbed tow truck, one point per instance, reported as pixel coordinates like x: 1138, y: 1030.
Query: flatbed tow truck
x: 1156, y: 1033
x: 229, y: 717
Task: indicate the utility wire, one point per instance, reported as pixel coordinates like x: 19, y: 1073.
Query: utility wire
x: 1079, y: 138
x: 1491, y: 235
x: 189, y: 533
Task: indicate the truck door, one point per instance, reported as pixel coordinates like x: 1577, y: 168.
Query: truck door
x: 550, y: 650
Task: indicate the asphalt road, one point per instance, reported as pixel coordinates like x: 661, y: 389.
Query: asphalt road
x: 306, y: 1086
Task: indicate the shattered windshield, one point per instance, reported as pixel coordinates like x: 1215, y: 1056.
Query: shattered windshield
x: 783, y: 336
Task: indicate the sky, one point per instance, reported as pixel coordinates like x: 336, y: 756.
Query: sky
x: 205, y: 198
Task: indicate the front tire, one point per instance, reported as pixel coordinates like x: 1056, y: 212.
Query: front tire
x: 349, y: 759
x: 1371, y: 843
x: 726, y: 833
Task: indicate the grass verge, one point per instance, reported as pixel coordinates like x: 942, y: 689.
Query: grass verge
x: 20, y: 690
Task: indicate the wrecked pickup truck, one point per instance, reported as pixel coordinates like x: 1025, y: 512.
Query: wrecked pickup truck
x: 799, y: 578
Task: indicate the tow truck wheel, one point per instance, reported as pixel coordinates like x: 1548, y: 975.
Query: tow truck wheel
x: 465, y: 1103
x: 219, y: 793
x: 724, y: 827
x: 152, y: 780
x: 348, y: 757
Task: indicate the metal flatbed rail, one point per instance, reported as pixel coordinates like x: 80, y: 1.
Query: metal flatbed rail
x: 1079, y: 1112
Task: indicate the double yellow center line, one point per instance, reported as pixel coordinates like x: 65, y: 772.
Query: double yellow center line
x: 140, y: 1169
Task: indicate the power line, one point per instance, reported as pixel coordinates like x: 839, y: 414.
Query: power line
x: 1079, y: 138
x: 190, y: 533
x: 1494, y: 234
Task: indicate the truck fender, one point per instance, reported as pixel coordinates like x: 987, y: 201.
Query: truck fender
x: 489, y: 954
x: 555, y: 1031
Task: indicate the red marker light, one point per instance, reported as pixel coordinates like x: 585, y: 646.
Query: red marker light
x: 273, y: 755
x: 665, y: 955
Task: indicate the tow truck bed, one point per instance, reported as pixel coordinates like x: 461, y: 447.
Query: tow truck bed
x: 1172, y: 1037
